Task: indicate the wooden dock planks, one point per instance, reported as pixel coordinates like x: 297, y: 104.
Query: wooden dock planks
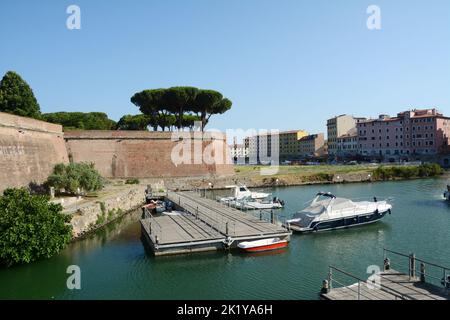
x: 240, y: 224
x: 394, y: 286
x: 207, y: 225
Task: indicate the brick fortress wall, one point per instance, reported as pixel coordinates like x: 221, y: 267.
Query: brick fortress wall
x: 29, y: 149
x: 142, y: 154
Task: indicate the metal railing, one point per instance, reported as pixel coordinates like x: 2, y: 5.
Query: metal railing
x: 268, y: 215
x: 223, y: 226
x: 360, y: 293
x: 422, y: 272
x: 153, y: 227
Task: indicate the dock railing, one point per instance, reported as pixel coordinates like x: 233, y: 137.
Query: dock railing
x: 223, y: 226
x: 427, y: 272
x: 154, y: 229
x: 358, y: 289
x: 268, y: 215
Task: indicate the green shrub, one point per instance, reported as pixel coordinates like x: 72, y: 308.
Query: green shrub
x: 31, y: 227
x: 101, y: 219
x: 407, y: 172
x: 75, y: 176
x: 132, y: 181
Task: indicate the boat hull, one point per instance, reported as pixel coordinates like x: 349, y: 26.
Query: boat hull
x: 269, y: 247
x: 342, y: 223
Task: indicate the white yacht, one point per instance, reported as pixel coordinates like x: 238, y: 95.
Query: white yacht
x: 240, y: 192
x: 244, y: 199
x: 327, y: 212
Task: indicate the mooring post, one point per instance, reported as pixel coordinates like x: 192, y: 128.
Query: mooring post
x: 226, y: 227
x: 196, y: 214
x: 412, y: 265
x: 150, y: 228
x: 359, y: 290
x: 330, y: 279
x: 422, y: 272
x: 387, y: 264
x: 325, y: 287
x: 156, y: 239
x: 271, y: 216
x: 143, y: 212
x: 260, y: 215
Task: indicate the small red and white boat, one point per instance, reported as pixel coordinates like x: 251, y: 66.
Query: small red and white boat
x: 263, y: 245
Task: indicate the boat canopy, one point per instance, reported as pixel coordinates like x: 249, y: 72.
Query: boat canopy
x: 326, y: 194
x: 327, y: 207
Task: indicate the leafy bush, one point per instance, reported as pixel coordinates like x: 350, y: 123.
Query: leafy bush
x: 132, y: 181
x: 75, y: 175
x: 31, y: 227
x: 81, y: 120
x: 407, y: 172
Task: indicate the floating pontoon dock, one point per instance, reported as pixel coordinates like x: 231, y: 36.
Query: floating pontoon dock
x: 206, y: 225
x: 430, y: 282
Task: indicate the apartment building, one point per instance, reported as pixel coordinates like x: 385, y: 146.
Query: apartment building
x: 312, y: 145
x: 416, y: 132
x: 284, y: 146
x: 347, y: 145
x: 289, y: 144
x: 338, y: 127
x: 239, y: 153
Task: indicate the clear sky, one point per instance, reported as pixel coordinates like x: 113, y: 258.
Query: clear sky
x: 285, y: 64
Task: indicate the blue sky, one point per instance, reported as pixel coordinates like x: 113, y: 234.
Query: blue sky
x: 285, y: 64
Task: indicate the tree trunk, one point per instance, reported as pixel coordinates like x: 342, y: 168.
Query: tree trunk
x: 203, y: 118
x: 180, y: 118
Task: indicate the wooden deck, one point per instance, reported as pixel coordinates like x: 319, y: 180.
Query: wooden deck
x: 394, y: 285
x: 207, y: 225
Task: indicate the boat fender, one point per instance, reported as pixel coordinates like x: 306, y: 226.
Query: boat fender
x: 227, y: 242
x: 315, y: 229
x: 389, y: 211
x: 376, y: 211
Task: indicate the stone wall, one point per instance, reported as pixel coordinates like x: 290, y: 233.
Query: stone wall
x: 97, y: 213
x: 142, y: 154
x: 29, y: 149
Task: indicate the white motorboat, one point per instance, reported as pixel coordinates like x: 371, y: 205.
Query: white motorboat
x: 240, y: 192
x: 244, y: 199
x: 327, y: 212
x: 263, y: 245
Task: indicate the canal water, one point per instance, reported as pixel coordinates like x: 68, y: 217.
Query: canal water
x: 115, y: 265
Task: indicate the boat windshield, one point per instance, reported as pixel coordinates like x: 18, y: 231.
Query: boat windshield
x: 305, y: 218
x: 323, y: 199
